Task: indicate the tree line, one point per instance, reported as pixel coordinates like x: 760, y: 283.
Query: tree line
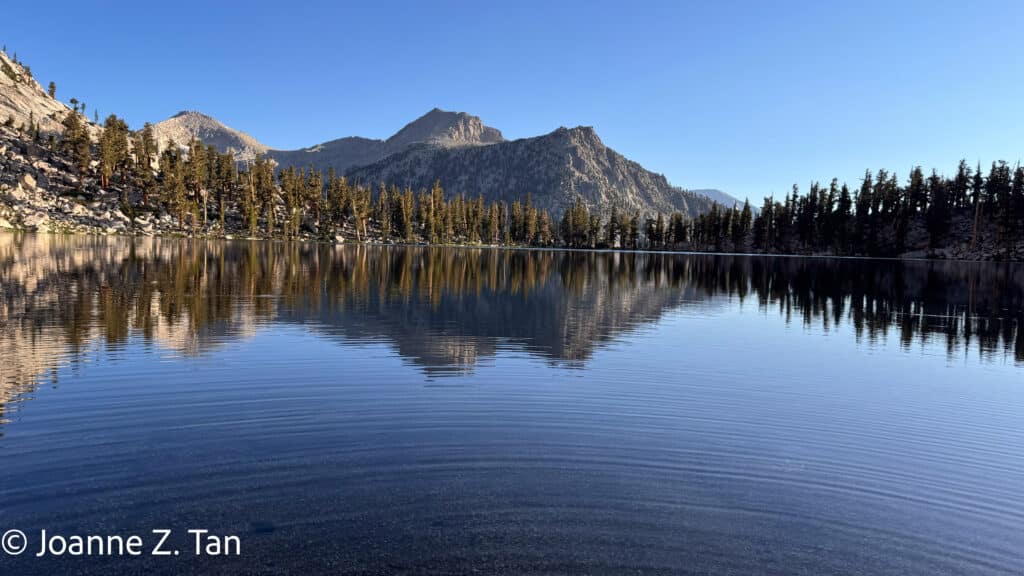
x: 883, y: 217
x: 208, y: 191
x: 880, y: 218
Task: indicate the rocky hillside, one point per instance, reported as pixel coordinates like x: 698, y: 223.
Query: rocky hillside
x: 23, y: 101
x: 554, y: 169
x: 40, y: 191
x: 185, y: 125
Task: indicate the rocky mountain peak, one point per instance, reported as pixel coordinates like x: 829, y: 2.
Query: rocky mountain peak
x: 554, y: 169
x: 188, y: 124
x: 580, y: 136
x: 444, y: 128
x: 194, y: 114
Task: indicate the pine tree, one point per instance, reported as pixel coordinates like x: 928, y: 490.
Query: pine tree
x: 288, y: 182
x: 634, y: 231
x: 226, y: 177
x: 517, y: 222
x: 593, y: 231
x: 493, y: 229
x: 250, y: 199
x: 543, y: 228
x: 917, y: 193
x: 113, y: 150
x: 742, y: 228
x: 266, y: 195
x: 77, y: 145
x: 938, y: 211
x: 650, y: 233
x: 436, y: 226
x: 408, y: 211
x: 612, y: 228
x: 142, y: 171
x: 337, y: 202
x: 174, y: 192
x: 1017, y: 203
x: 977, y: 196
x: 866, y: 219
x: 843, y: 220
x: 359, y: 204
x: 530, y: 221
x: 382, y: 213
x: 196, y: 175
x: 999, y: 191
x: 961, y: 185
x: 677, y: 230
x: 314, y: 198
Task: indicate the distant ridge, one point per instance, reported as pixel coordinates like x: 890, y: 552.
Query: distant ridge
x: 436, y: 128
x: 553, y: 169
x: 471, y: 158
x: 717, y: 195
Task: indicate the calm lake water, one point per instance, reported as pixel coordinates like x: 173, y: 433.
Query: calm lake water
x: 414, y: 410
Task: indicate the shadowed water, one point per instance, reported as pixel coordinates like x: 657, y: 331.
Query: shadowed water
x: 414, y: 410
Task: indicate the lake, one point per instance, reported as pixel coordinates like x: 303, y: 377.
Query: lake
x: 361, y: 409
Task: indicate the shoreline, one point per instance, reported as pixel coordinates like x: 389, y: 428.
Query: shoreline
x: 377, y: 243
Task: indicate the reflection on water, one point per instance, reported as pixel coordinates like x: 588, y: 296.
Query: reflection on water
x: 444, y: 309
x: 357, y: 409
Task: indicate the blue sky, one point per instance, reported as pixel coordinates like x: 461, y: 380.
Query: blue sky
x: 749, y: 97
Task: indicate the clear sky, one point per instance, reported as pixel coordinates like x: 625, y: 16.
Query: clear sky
x: 749, y: 97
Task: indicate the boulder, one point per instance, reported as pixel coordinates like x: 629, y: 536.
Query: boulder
x: 38, y: 221
x: 17, y: 194
x: 27, y: 181
x: 43, y: 166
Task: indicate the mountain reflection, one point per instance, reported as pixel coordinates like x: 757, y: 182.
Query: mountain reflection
x: 443, y: 309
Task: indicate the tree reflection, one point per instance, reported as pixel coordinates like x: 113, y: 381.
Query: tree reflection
x: 445, y: 308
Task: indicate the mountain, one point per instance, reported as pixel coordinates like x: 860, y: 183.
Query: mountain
x: 554, y: 169
x: 338, y: 154
x: 446, y: 129
x: 435, y: 128
x: 185, y: 125
x: 722, y: 198
x: 471, y: 158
